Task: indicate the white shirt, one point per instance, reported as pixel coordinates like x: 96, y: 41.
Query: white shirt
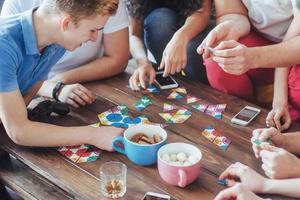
x: 88, y: 51
x: 272, y: 18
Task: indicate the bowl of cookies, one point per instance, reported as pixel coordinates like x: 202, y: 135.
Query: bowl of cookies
x: 179, y: 163
x: 141, y: 143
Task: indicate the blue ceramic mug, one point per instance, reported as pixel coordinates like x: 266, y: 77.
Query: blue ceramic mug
x: 140, y: 154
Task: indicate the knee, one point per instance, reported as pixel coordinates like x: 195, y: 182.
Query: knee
x: 160, y: 22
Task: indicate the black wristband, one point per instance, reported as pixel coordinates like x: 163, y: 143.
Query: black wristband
x: 56, y: 89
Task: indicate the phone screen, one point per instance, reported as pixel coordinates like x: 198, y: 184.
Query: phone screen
x: 246, y: 114
x: 163, y: 81
x: 150, y: 197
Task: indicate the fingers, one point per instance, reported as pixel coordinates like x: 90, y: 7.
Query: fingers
x: 134, y: 80
x: 142, y: 79
x: 269, y: 119
x: 287, y: 122
x: 229, y: 193
x: 277, y: 118
x: 233, y: 170
x: 151, y: 77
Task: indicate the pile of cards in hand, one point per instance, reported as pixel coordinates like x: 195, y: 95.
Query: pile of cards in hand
x: 141, y: 138
x: 217, y: 138
x: 179, y: 159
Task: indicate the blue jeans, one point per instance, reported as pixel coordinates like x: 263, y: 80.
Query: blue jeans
x: 160, y: 26
x: 1, y: 3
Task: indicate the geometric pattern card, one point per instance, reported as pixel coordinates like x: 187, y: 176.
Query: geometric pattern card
x: 73, y: 152
x: 216, y: 108
x: 168, y: 107
x: 223, y: 182
x: 150, y: 89
x: 222, y: 142
x: 89, y: 156
x: 191, y: 99
x: 181, y: 90
x: 217, y: 138
x: 183, y: 111
x: 114, y: 117
x: 95, y: 125
x: 200, y: 107
x: 142, y: 103
x: 209, y: 133
x: 182, y: 73
x: 175, y: 95
x: 172, y: 118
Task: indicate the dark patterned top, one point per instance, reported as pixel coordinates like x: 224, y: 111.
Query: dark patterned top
x: 141, y: 8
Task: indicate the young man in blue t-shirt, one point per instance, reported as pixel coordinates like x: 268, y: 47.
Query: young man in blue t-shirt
x: 30, y: 44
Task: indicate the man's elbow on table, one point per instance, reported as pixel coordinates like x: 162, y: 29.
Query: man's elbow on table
x: 19, y: 133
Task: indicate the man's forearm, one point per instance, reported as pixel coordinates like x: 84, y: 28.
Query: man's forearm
x: 281, y: 87
x: 100, y: 68
x: 291, y: 142
x: 195, y: 23
x: 287, y: 187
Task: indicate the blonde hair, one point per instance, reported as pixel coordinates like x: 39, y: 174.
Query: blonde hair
x: 79, y: 9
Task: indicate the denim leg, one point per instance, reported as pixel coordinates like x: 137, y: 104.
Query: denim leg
x: 159, y: 27
x: 1, y: 3
x: 195, y: 68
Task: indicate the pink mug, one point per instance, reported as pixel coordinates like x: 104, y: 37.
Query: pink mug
x: 174, y: 174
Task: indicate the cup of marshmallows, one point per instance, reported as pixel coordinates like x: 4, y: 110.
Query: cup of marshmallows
x: 179, y: 163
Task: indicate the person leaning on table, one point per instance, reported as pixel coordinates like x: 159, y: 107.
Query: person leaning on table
x: 105, y: 57
x: 30, y: 44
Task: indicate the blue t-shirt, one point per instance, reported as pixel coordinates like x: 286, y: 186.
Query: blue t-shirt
x: 21, y: 63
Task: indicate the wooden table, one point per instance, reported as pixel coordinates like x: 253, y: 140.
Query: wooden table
x: 81, y: 181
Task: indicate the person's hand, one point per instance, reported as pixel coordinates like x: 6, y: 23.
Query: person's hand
x: 144, y: 71
x: 238, y: 192
x: 262, y: 135
x: 279, y: 163
x: 222, y: 32
x: 104, y: 137
x: 249, y: 178
x: 76, y: 95
x: 233, y: 57
x: 174, y: 57
x: 279, y: 117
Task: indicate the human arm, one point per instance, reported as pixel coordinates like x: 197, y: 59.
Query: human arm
x: 238, y: 192
x: 174, y: 58
x: 114, y: 61
x: 251, y: 180
x: 13, y: 114
x: 73, y: 94
x: 232, y: 24
x: 279, y: 116
x: 145, y: 69
x: 236, y: 58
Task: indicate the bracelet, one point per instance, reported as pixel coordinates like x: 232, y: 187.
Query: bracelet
x: 56, y: 89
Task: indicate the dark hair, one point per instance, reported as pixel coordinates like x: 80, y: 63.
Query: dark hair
x: 138, y: 8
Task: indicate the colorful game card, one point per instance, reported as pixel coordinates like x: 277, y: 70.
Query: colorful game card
x: 169, y: 107
x: 200, y: 107
x: 151, y: 89
x: 191, y: 99
x: 142, y: 103
x: 175, y: 95
x: 217, y: 138
x: 181, y: 90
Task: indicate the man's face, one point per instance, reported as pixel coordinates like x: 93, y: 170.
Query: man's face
x: 85, y: 30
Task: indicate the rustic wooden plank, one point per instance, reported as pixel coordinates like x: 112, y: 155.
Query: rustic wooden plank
x: 27, y: 183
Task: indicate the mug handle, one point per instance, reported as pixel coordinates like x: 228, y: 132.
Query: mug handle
x: 116, y: 147
x: 182, y: 178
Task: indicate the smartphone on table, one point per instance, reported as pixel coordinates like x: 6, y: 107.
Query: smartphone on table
x: 165, y: 82
x: 245, y: 116
x: 156, y: 196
